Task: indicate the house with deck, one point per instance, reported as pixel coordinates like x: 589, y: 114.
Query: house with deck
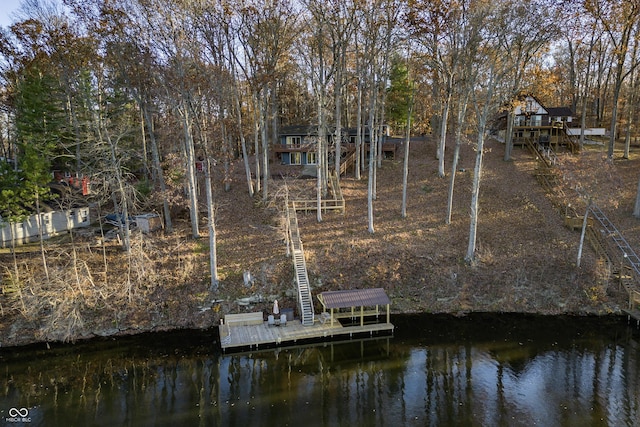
x: 297, y: 145
x: 533, y: 122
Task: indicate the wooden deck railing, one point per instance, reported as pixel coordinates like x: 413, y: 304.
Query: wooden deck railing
x: 310, y: 205
x: 336, y: 203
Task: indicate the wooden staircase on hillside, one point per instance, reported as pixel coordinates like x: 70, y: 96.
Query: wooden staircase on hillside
x: 622, y: 258
x: 305, y: 300
x: 606, y: 240
x: 546, y: 160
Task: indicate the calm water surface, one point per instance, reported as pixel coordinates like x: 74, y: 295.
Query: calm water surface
x: 482, y: 370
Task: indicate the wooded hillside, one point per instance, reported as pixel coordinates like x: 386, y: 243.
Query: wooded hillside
x: 526, y: 256
x: 140, y: 100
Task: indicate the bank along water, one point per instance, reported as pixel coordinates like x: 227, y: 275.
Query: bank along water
x: 482, y: 369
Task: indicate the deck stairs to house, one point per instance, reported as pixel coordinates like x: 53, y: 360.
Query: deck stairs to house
x: 571, y: 142
x: 305, y: 299
x: 547, y: 158
x: 348, y: 162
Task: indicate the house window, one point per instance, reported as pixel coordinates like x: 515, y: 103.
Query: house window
x: 296, y: 158
x: 519, y: 120
x: 311, y: 158
x: 294, y: 140
x: 536, y: 120
x: 531, y: 107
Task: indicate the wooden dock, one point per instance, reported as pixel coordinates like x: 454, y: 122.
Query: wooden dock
x: 238, y: 337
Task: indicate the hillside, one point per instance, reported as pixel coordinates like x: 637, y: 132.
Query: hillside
x: 526, y: 256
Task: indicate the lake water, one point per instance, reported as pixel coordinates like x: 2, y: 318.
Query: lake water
x: 481, y: 370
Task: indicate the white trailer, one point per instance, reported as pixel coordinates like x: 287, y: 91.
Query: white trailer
x: 49, y: 224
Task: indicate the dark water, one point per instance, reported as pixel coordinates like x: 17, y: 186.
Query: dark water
x: 482, y: 370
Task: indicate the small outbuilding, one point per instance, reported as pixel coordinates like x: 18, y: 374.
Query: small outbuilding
x: 148, y: 222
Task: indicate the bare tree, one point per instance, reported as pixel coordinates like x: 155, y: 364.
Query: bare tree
x: 529, y: 28
x: 493, y: 67
x: 620, y: 20
x: 131, y: 57
x: 266, y: 34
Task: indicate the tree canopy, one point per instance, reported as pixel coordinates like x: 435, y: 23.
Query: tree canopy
x: 148, y: 88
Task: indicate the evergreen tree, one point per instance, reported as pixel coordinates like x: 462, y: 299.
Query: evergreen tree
x: 39, y: 124
x: 398, y: 94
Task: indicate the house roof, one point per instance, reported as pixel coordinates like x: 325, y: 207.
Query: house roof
x: 299, y: 130
x: 560, y: 111
x: 354, y: 298
x: 312, y: 130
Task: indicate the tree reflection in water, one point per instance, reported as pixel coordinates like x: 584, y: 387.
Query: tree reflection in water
x: 478, y: 370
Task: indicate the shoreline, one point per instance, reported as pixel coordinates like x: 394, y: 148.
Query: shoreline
x: 132, y: 333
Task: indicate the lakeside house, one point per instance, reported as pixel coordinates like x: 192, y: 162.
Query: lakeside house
x: 535, y: 122
x: 297, y: 145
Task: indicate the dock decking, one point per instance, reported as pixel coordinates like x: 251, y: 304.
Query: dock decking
x: 239, y: 337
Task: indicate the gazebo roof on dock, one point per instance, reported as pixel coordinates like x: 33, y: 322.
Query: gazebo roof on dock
x: 354, y: 298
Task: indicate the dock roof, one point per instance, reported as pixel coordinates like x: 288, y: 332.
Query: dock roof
x: 354, y: 298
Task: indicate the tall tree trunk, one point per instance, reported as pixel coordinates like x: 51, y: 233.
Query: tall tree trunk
x: 585, y: 92
x: 256, y: 141
x: 462, y: 111
x: 636, y: 207
x: 358, y: 163
x: 443, y: 128
x: 320, y: 159
x: 274, y: 112
x: 158, y: 171
x: 124, y: 223
x: 338, y: 134
x: 265, y: 146
x: 41, y: 236
x: 475, y: 199
x: 405, y: 169
x: 243, y: 142
x: 613, y: 129
x: 631, y: 101
x: 190, y: 169
x: 508, y: 136
x: 583, y: 232
x: 372, y: 165
x: 483, y: 113
x: 143, y: 137
x: 226, y: 154
x: 211, y: 223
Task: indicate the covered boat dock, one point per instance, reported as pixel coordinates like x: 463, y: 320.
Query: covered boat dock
x: 352, y: 303
x: 360, y: 309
